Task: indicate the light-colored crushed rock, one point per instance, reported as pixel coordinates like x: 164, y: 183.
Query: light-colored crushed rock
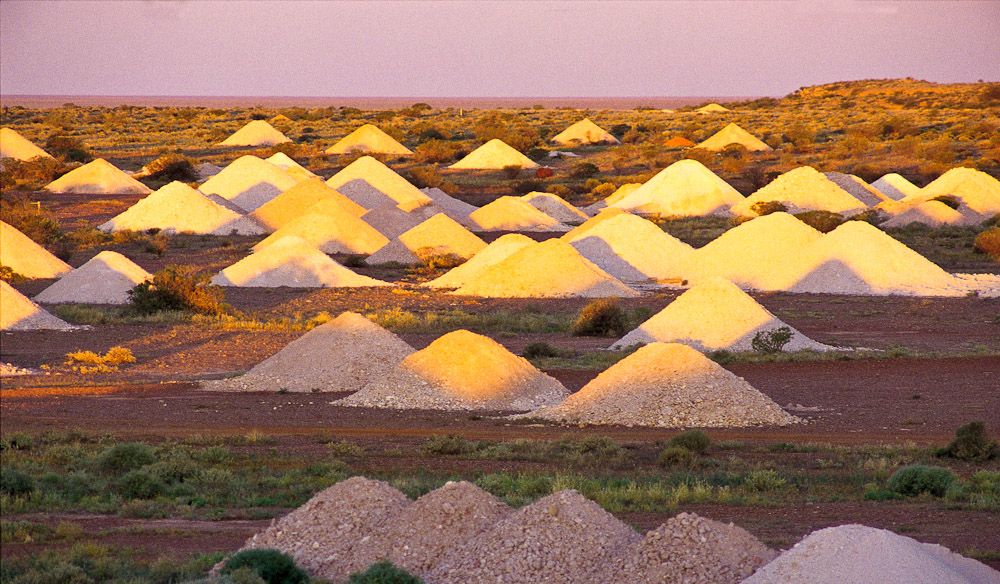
x: 21, y: 254
x: 297, y: 201
x: 456, y: 208
x: 494, y: 155
x: 895, y: 187
x: 97, y: 177
x: 177, y: 208
x: 584, y: 132
x: 391, y: 220
x: 555, y: 207
x: 331, y: 228
x: 323, y: 534
x: 371, y: 184
x: 249, y: 182
x: 973, y: 188
x: 803, y: 189
x: 341, y: 355
x: 686, y: 188
x: 856, y: 554
x: 689, y: 549
x: 602, y: 215
x: 438, y: 236
x: 667, y: 385
x: 932, y: 214
x: 14, y: 145
x: 498, y: 250
x: 514, y: 214
x: 19, y: 313
x: 255, y: 133
x: 733, y: 134
x: 857, y: 187
x: 461, y: 371
x: 285, y: 162
x: 436, y: 524
x: 10, y: 370
x: 561, y: 538
x: 105, y: 279
x: 369, y: 138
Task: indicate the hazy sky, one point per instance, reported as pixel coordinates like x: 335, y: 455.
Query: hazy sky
x: 486, y: 48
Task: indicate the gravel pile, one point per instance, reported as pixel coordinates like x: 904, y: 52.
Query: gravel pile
x: 667, y: 385
x: 931, y: 214
x: 857, y: 187
x: 500, y: 249
x: 331, y: 228
x: 438, y: 236
x: 855, y: 554
x: 18, y: 313
x: 513, y: 214
x: 555, y: 207
x: 803, y: 189
x: 341, y: 355
x: 461, y: 371
x: 105, y: 279
x: 249, y: 182
x: 689, y: 549
x: 97, y: 177
x: 176, y: 208
x: 9, y: 370
x: 21, y: 254
x: 686, y: 188
x: 494, y: 155
x: 370, y: 184
x: 297, y: 201
x: 255, y: 133
x: 562, y: 538
x: 390, y: 220
x: 895, y: 186
x: 324, y: 534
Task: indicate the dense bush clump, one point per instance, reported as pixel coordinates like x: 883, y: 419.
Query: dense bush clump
x: 178, y: 288
x: 971, y: 443
x: 693, y: 440
x: 15, y: 483
x: 601, y: 318
x: 122, y: 458
x: 772, y: 341
x: 139, y: 484
x: 171, y: 167
x: 767, y: 207
x: 68, y: 148
x: 988, y: 242
x: 273, y: 566
x: 18, y: 211
x: 384, y: 572
x: 425, y: 177
x: 916, y: 479
x: 541, y: 349
x: 823, y: 221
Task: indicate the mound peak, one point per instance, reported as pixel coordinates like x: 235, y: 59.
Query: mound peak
x: 176, y: 208
x: 494, y: 155
x: 14, y: 145
x: 249, y: 182
x: 514, y: 214
x: 584, y: 132
x: 631, y: 249
x: 685, y: 188
x: 18, y: 313
x: 803, y: 189
x: 97, y: 177
x: 369, y: 138
x: 371, y: 184
x: 22, y: 255
x: 733, y: 134
x: 498, y: 250
x: 255, y: 133
x: 331, y: 228
x: 555, y: 207
x: 285, y: 163
x: 896, y: 187
x: 438, y: 236
x: 297, y: 200
x: 105, y: 279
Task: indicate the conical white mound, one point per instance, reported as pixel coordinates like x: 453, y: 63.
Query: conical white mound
x: 859, y: 258
x: 14, y: 145
x: 584, y: 132
x: 896, y: 187
x: 256, y: 133
x: 371, y: 184
x: 342, y: 355
x: 856, y: 554
x: 22, y: 255
x: 975, y: 189
x: 551, y: 269
x: 932, y: 213
x: 712, y: 108
x: 105, y: 279
x: 857, y: 188
x: 688, y: 549
x: 668, y: 385
x: 497, y: 251
x: 323, y: 535
x: 438, y: 236
x: 249, y: 182
x: 285, y: 163
x: 18, y: 313
x: 494, y: 155
x: 632, y: 249
x: 562, y: 538
x: 330, y: 228
x: 513, y: 214
x: 711, y: 316
x: 369, y: 138
x: 177, y: 208
x: 390, y: 220
x: 685, y: 188
x: 292, y: 262
x: 803, y: 189
x: 733, y: 134
x: 97, y: 177
x: 297, y: 200
x: 461, y: 371
x: 750, y: 252
x: 555, y: 207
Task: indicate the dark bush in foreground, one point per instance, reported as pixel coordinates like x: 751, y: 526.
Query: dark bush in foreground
x: 988, y: 242
x: 122, y: 458
x: 170, y: 167
x: 384, y: 572
x: 139, y: 484
x: 271, y: 565
x: 601, y: 318
x: 916, y: 479
x: 823, y: 221
x: 971, y: 443
x: 178, y: 288
x: 772, y: 341
x: 15, y: 483
x: 693, y: 440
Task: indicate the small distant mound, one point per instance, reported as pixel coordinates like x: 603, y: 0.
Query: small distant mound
x: 803, y: 189
x: 668, y: 385
x: 371, y: 184
x: 292, y: 262
x: 714, y: 315
x: 323, y: 535
x: 14, y: 145
x: 342, y: 355
x: 104, y: 279
x: 285, y: 163
x: 438, y: 236
x: 856, y: 554
x: 331, y: 228
x: 177, y: 208
x: 275, y: 213
x: 455, y: 208
x: 733, y: 134
x: 514, y: 214
x: 18, y: 313
x: 249, y: 182
x: 857, y: 188
x: 99, y: 177
x: 494, y: 253
x: 712, y: 108
x: 555, y: 207
x: 563, y: 537
x: 550, y: 269
x: 678, y: 142
x: 461, y: 371
x: 632, y: 249
x: 584, y: 132
x: 22, y: 255
x: 256, y: 133
x: 390, y: 220
x: 688, y: 548
x: 896, y: 187
x: 369, y: 138
x: 494, y: 155
x: 931, y: 213
x: 686, y: 188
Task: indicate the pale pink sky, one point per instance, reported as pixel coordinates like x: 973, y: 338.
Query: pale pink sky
x: 486, y: 48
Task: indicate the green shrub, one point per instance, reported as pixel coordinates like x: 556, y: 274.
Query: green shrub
x: 178, y: 288
x: 384, y: 572
x: 273, y: 566
x: 18, y: 211
x: 762, y: 208
x: 971, y: 443
x: 874, y: 216
x: 122, y: 458
x: 15, y: 483
x: 436, y: 151
x: 695, y: 441
x: 823, y: 221
x: 541, y: 349
x: 511, y: 171
x: 674, y: 456
x: 763, y: 480
x: 448, y: 445
x: 584, y: 170
x: 68, y: 148
x: 139, y: 484
x: 988, y: 242
x: 772, y: 341
x: 601, y: 318
x: 949, y: 200
x: 170, y: 167
x: 425, y: 176
x: 916, y: 479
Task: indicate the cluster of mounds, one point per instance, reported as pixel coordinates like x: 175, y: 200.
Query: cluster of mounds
x: 459, y: 533
x: 178, y: 208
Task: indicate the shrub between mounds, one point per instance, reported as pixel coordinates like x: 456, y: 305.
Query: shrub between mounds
x: 971, y: 443
x: 772, y: 341
x: 177, y: 288
x: 601, y: 318
x: 988, y: 242
x: 917, y: 478
x: 273, y: 566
